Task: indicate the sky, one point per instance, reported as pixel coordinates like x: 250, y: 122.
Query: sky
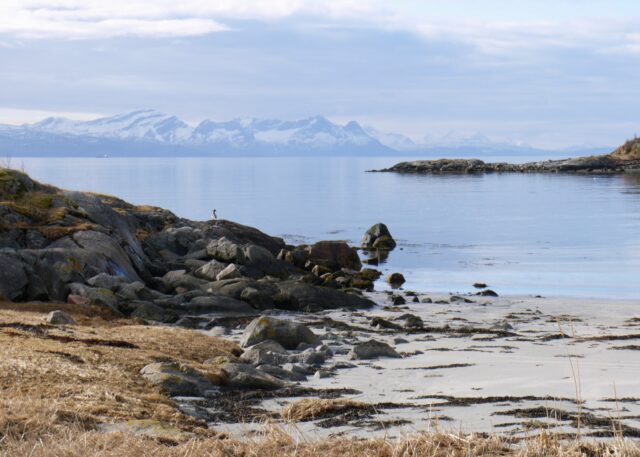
x: 550, y: 74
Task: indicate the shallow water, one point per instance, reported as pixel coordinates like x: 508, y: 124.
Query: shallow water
x: 535, y: 234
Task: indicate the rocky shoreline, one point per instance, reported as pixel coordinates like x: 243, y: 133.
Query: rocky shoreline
x: 625, y: 159
x: 281, y: 333
x: 145, y: 262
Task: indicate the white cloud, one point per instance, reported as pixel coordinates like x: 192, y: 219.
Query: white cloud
x: 82, y: 19
x: 17, y: 116
x: 86, y: 19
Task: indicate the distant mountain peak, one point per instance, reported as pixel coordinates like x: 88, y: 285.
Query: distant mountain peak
x: 152, y: 130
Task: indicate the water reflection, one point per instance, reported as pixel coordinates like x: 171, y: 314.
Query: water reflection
x: 539, y: 234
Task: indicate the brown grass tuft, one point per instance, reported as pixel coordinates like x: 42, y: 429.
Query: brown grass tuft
x: 316, y: 408
x: 56, y: 375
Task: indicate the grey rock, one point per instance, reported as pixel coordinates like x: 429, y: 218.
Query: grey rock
x: 320, y: 374
x: 288, y: 333
x: 262, y: 354
x: 96, y: 296
x: 60, y: 318
x: 378, y: 237
x: 133, y: 291
x: 231, y: 271
x: 149, y: 311
x: 283, y: 374
x: 181, y: 279
x: 13, y: 277
x: 210, y: 270
x: 226, y: 251
x: 259, y: 299
x: 243, y: 376
x: 261, y: 259
x: 298, y: 368
x: 193, y: 265
x: 308, y: 297
x: 105, y: 281
x: 372, y: 349
x: 192, y: 322
x: 266, y: 352
x: 310, y: 357
x: 176, y: 379
x: 209, y: 304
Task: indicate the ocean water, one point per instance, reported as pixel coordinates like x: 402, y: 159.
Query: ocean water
x: 552, y: 235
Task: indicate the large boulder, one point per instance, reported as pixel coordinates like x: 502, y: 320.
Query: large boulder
x: 334, y: 255
x: 13, y: 277
x: 302, y: 296
x: 218, y: 304
x: 96, y: 296
x: 181, y: 279
x: 261, y: 259
x: 225, y: 250
x: 105, y: 281
x: 210, y: 270
x: 378, y: 237
x: 266, y: 352
x: 243, y: 234
x: 288, y: 333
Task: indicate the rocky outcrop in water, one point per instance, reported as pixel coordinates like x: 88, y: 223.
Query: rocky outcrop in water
x: 625, y: 159
x: 145, y: 262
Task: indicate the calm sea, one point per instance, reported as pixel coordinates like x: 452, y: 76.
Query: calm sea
x: 529, y: 234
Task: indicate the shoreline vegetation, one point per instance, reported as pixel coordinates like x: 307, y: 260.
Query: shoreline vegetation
x: 130, y: 331
x: 625, y: 159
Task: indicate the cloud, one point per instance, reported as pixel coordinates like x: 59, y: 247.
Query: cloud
x: 465, y: 23
x: 86, y: 19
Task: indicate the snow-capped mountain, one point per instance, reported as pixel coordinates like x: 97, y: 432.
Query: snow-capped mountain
x: 151, y: 132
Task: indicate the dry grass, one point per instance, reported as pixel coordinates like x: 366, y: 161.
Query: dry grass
x: 278, y: 442
x: 628, y: 151
x: 314, y: 408
x: 89, y: 373
x: 58, y: 384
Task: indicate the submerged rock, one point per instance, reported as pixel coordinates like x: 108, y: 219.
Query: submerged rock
x: 378, y: 237
x: 487, y: 293
x: 395, y: 280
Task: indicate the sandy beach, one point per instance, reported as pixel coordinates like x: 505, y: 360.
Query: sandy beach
x: 492, y: 364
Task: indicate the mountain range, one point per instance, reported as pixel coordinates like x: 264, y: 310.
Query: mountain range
x: 150, y: 133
